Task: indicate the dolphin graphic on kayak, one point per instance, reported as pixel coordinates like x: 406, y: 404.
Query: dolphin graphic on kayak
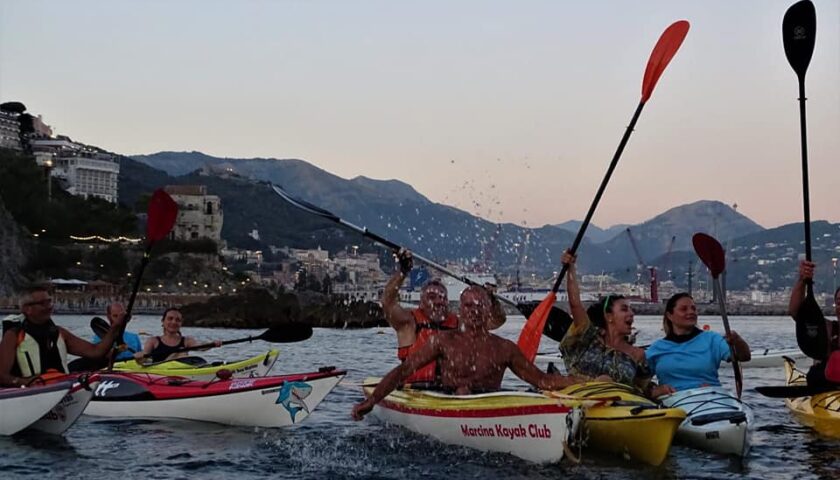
x: 291, y: 397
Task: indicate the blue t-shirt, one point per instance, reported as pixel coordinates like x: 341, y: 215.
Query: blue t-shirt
x: 133, y: 342
x: 691, y: 364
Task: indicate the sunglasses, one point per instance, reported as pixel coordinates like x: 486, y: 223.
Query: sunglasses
x: 44, y: 303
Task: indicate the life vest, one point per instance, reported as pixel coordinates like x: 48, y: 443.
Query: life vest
x: 36, y: 358
x: 423, y: 331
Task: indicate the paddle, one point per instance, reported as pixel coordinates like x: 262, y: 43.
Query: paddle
x: 286, y: 333
x: 101, y: 327
x: 663, y: 52
x: 711, y: 253
x: 792, y: 391
x: 799, y: 28
x: 559, y: 322
x: 162, y: 213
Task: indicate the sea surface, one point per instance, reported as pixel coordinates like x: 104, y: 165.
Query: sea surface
x: 329, y: 444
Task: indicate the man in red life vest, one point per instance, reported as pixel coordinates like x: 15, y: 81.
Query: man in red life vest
x: 416, y: 326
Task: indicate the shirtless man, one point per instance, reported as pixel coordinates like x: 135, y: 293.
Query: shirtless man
x: 416, y: 326
x: 471, y: 359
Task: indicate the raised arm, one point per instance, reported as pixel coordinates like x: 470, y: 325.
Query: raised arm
x: 398, y: 318
x: 83, y: 348
x: 426, y: 354
x: 797, y: 294
x: 573, y: 291
x: 533, y: 375
x: 498, y: 317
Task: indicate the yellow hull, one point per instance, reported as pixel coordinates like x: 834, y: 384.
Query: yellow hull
x: 257, y: 366
x: 631, y: 425
x: 820, y: 412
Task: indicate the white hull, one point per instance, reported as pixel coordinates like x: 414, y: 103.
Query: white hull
x: 773, y: 358
x: 729, y: 434
x: 19, y: 412
x: 535, y: 437
x: 67, y: 411
x: 253, y: 408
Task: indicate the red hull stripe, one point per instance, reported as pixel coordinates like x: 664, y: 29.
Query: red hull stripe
x: 476, y: 413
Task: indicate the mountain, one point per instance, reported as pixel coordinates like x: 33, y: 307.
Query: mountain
x: 757, y: 258
x: 594, y: 233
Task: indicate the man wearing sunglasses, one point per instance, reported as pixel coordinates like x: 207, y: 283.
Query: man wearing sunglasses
x: 34, y: 346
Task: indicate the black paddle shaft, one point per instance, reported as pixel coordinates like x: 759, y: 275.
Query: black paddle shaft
x: 601, y: 188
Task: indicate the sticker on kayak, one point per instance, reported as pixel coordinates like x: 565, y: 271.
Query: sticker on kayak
x: 506, y: 431
x: 244, y: 383
x: 102, y: 389
x: 291, y: 397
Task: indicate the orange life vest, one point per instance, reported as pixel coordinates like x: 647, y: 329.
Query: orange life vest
x: 423, y: 331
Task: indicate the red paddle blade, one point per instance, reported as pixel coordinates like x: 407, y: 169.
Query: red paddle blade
x: 529, y: 339
x: 162, y: 213
x: 710, y: 252
x: 662, y: 54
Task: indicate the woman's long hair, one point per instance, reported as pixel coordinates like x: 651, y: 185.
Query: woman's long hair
x: 163, y: 317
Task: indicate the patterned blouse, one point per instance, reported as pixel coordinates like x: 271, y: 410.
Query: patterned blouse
x: 586, y: 354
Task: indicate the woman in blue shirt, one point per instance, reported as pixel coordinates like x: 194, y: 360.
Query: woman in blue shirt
x: 689, y: 357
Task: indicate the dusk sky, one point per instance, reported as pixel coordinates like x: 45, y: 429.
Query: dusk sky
x: 509, y: 110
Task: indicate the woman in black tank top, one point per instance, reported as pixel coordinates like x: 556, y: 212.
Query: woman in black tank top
x: 167, y: 346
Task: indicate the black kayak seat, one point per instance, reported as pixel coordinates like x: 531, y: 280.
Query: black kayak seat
x: 731, y: 417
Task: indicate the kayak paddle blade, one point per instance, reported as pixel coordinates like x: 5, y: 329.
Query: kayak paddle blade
x: 162, y: 214
x: 799, y: 33
x: 100, y: 326
x: 666, y: 47
x: 710, y: 252
x: 529, y: 339
x: 811, y: 331
x: 287, y: 333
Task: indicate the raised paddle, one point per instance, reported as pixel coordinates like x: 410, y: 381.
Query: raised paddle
x: 286, y: 333
x: 711, y: 253
x: 162, y: 213
x: 799, y: 29
x: 665, y: 49
x: 559, y: 321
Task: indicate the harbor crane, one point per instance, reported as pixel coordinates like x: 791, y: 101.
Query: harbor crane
x: 654, y: 283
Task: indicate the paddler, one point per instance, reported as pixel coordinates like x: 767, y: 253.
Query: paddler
x: 821, y: 373
x: 34, y: 346
x: 416, y: 326
x: 171, y: 344
x: 471, y: 358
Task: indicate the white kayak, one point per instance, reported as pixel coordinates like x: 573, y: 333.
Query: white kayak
x: 531, y: 426
x: 716, y: 420
x: 65, y: 413
x: 21, y: 407
x: 274, y: 401
x: 764, y: 358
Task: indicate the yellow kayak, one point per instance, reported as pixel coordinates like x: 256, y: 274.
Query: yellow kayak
x: 820, y: 412
x: 529, y: 425
x: 198, y: 369
x: 630, y: 425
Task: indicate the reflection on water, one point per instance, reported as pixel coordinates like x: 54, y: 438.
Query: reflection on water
x: 330, y: 445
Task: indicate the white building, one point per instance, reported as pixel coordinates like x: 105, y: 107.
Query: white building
x: 199, y: 214
x: 9, y: 130
x: 86, y: 171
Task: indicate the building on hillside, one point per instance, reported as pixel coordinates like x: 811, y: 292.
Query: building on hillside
x: 199, y: 214
x: 10, y: 130
x: 86, y: 171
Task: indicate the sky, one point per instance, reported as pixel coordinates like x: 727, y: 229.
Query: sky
x: 508, y: 110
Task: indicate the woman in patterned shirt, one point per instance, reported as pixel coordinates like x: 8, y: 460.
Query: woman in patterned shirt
x: 596, y: 344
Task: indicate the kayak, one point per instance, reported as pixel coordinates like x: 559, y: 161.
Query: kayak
x: 273, y: 401
x: 764, y: 358
x: 630, y: 425
x: 820, y: 412
x: 773, y: 358
x: 716, y: 420
x: 65, y: 413
x: 197, y: 368
x: 531, y: 426
x: 21, y: 407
